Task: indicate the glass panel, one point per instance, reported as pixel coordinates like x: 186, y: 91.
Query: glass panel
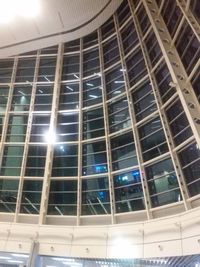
x: 8, y: 195
x: 40, y: 128
x: 188, y: 47
x: 72, y: 46
x: 108, y: 28
x: 93, y: 123
x: 119, y: 117
x: 95, y: 196
x: 65, y: 160
x: 162, y: 183
x: 12, y: 158
x: 172, y: 16
x: 21, y: 98
x: 90, y: 40
x: 43, y: 97
x: 6, y: 67
x: 63, y: 197
x: 144, y: 101
x: 92, y: 91
x: 152, y: 139
x: 70, y: 69
x: 136, y: 67
x: 164, y: 79
x: 115, y: 83
x: 190, y: 161
x: 123, y: 12
x: 129, y: 37
x: 69, y: 96
x: 143, y: 19
x: 94, y: 158
x: 153, y: 48
x: 4, y: 91
x: 31, y: 197
x: 47, y: 69
x: 16, y: 131
x: 110, y: 52
x: 90, y: 62
x: 36, y: 159
x: 67, y: 126
x: 128, y: 192
x: 123, y: 151
x: 178, y: 122
x: 1, y: 125
x: 25, y: 70
x: 49, y: 50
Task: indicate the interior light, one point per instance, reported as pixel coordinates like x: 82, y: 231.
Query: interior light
x: 71, y: 89
x: 4, y: 258
x: 93, y: 96
x: 9, y: 9
x: 76, y: 76
x: 50, y: 137
x: 15, y: 261
x: 20, y: 255
x: 63, y: 259
x: 119, y: 81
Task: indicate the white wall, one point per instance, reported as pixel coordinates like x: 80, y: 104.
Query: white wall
x: 171, y: 236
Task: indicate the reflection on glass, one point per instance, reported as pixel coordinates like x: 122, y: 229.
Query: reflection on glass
x: 35, y: 162
x: 94, y: 158
x: 128, y: 192
x: 63, y: 197
x: 8, y: 195
x: 95, y: 196
x: 12, y: 158
x: 31, y: 197
x: 65, y: 160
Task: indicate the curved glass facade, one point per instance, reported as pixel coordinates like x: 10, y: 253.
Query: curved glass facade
x: 103, y: 125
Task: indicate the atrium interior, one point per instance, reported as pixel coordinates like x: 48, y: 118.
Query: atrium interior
x: 100, y: 140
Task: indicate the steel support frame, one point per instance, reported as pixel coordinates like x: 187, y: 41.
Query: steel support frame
x: 164, y: 122
x: 176, y: 68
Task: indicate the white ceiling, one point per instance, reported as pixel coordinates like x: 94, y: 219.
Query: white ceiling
x: 58, y: 18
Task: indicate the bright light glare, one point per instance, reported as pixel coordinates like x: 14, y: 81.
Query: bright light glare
x: 9, y: 9
x: 50, y: 137
x: 122, y: 248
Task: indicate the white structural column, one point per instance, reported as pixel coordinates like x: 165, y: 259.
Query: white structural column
x: 176, y: 68
x: 163, y: 118
x: 80, y: 131
x: 50, y: 146
x: 106, y: 125
x: 133, y: 124
x: 28, y: 133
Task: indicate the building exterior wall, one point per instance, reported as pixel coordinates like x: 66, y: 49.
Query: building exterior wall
x: 105, y: 130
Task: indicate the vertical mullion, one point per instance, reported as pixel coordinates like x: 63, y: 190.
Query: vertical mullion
x: 27, y: 139
x: 50, y: 147
x: 8, y: 108
x: 106, y: 123
x: 79, y: 182
x: 133, y: 123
